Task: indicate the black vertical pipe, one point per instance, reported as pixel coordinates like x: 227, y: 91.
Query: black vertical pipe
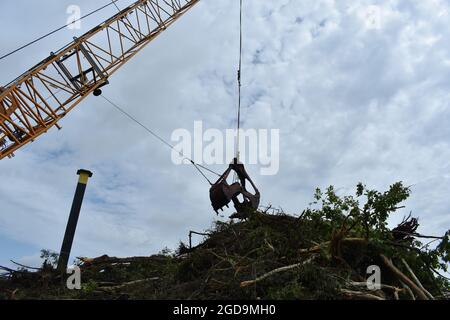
x: 66, y: 247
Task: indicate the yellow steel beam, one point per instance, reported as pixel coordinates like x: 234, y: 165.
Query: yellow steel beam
x: 39, y: 98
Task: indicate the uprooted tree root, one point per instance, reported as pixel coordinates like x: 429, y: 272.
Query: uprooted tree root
x: 268, y: 256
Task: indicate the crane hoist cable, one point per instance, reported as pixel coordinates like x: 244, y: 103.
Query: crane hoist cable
x: 221, y: 192
x: 196, y: 165
x: 154, y: 134
x: 239, y: 75
x: 239, y: 83
x: 85, y: 65
x: 113, y: 2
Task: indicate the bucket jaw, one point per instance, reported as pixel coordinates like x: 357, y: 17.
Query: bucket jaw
x: 222, y: 193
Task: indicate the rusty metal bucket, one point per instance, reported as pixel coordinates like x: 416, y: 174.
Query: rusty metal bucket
x: 221, y: 193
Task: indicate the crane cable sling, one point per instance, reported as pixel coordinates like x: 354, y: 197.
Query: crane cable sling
x: 196, y: 165
x: 58, y: 29
x: 239, y: 74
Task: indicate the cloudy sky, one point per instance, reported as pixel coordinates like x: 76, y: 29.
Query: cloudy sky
x: 358, y: 89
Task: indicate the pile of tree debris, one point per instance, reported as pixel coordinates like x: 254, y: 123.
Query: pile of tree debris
x: 325, y: 252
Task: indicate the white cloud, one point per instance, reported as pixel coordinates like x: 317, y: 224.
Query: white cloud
x: 352, y: 104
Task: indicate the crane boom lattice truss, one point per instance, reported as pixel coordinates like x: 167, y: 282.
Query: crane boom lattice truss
x: 38, y: 99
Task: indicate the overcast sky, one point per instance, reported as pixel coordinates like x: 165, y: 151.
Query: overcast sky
x: 356, y: 97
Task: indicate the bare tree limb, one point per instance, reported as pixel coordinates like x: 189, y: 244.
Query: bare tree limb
x: 414, y: 277
x: 404, y: 278
x: 11, y: 271
x: 396, y: 297
x: 395, y: 290
x: 418, y: 235
x: 408, y: 289
x: 110, y: 260
x: 24, y: 266
x: 278, y: 270
x: 382, y: 286
x: 438, y: 274
x: 361, y: 295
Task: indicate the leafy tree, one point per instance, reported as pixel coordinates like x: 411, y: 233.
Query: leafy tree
x: 50, y: 258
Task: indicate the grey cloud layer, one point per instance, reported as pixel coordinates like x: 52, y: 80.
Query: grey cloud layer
x: 353, y: 104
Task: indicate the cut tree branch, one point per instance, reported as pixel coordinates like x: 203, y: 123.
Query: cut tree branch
x: 382, y: 286
x: 327, y: 243
x: 361, y: 295
x: 126, y: 284
x: 404, y: 278
x: 417, y: 280
x: 278, y: 270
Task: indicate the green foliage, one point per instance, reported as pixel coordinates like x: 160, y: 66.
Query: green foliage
x: 50, y: 258
x: 320, y: 281
x: 347, y: 211
x: 365, y: 215
x: 293, y: 290
x: 439, y: 258
x: 379, y: 205
x: 166, y: 252
x: 88, y: 287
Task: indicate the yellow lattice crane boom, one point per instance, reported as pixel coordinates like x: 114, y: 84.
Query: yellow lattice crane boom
x: 39, y: 98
